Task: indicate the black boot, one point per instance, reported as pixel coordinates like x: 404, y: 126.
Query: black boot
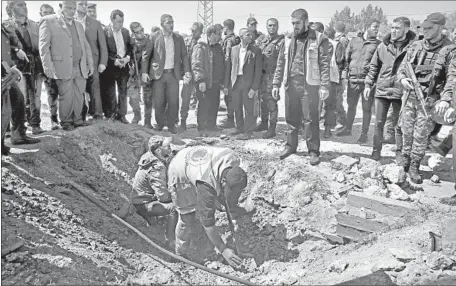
x: 271, y: 131
x: 147, y: 121
x: 376, y: 155
x: 262, y: 127
x: 414, y: 171
x: 183, y: 126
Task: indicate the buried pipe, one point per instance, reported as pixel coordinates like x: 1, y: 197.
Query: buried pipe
x: 81, y: 190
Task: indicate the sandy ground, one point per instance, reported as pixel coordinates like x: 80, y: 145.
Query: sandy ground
x: 69, y: 240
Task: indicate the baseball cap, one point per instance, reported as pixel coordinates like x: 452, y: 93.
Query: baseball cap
x: 236, y: 177
x: 251, y: 20
x: 434, y: 18
x: 197, y: 26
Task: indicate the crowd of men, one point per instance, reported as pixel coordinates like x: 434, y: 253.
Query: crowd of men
x: 90, y: 70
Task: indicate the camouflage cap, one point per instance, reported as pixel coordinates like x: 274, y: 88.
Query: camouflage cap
x: 251, y: 20
x: 434, y: 18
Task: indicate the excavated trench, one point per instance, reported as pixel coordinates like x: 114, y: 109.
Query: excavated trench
x: 303, y: 228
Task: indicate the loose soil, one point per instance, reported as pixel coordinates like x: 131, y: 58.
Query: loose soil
x: 69, y: 240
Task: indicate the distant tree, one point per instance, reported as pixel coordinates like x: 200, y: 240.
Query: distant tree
x: 450, y: 20
x: 359, y: 21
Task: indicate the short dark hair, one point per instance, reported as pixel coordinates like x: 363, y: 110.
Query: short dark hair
x: 319, y: 27
x: 46, y: 6
x: 218, y: 26
x: 229, y: 23
x: 116, y: 13
x: 371, y: 21
x: 164, y: 17
x: 300, y: 14
x: 272, y: 19
x: 242, y: 30
x: 134, y: 25
x: 403, y: 20
x: 212, y: 29
x: 155, y: 29
x: 339, y: 27
x: 330, y: 33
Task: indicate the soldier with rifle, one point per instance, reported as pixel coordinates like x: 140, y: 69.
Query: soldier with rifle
x: 415, y: 75
x: 139, y: 40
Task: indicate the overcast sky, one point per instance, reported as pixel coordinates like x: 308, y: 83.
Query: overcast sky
x: 185, y: 12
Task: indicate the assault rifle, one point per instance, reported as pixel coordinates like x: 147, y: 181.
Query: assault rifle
x: 11, y: 77
x: 416, y: 86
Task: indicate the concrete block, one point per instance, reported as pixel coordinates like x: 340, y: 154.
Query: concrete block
x: 343, y: 162
x: 360, y: 223
x: 381, y: 205
x: 350, y: 233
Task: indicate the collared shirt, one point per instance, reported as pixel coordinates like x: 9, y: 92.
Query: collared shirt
x: 82, y: 21
x: 120, y: 44
x: 169, y: 51
x: 242, y: 53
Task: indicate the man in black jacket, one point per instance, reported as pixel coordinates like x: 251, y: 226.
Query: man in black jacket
x: 358, y: 56
x: 383, y: 66
x: 305, y: 83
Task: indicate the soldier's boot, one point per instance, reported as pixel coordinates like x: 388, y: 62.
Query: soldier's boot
x: 227, y: 123
x: 183, y: 125
x: 271, y: 131
x: 137, y: 117
x: 263, y: 126
x: 414, y: 171
x: 403, y: 160
x: 147, y: 121
x: 389, y: 138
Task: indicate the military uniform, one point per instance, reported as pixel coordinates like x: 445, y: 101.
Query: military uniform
x: 6, y: 102
x: 258, y: 38
x: 188, y: 89
x: 416, y: 127
x: 270, y: 47
x: 229, y: 42
x: 134, y: 82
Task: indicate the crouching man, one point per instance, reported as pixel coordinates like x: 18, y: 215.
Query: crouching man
x: 199, y: 177
x: 150, y: 194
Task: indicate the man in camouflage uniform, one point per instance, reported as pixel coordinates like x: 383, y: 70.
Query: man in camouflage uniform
x: 189, y: 88
x: 270, y: 47
x: 229, y: 41
x: 450, y: 91
x: 139, y: 40
x: 416, y: 127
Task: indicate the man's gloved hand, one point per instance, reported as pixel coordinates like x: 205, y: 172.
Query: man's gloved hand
x: 366, y: 93
x: 441, y: 107
x: 407, y: 83
x: 231, y: 258
x: 324, y: 93
x: 275, y: 93
x: 22, y: 55
x: 101, y: 68
x: 251, y: 93
x: 15, y: 70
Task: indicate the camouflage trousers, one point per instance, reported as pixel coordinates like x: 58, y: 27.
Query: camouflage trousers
x: 391, y: 122
x: 134, y: 93
x: 416, y: 127
x: 269, y: 108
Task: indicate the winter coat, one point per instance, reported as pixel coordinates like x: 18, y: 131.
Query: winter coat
x: 384, y: 65
x: 202, y: 62
x: 358, y: 55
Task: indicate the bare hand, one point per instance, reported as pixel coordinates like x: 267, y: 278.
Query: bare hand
x: 231, y: 258
x: 449, y: 115
x: 18, y: 72
x: 324, y: 93
x: 407, y: 83
x: 145, y: 77
x: 90, y: 71
x: 225, y: 91
x: 251, y: 93
x: 22, y: 55
x: 442, y: 107
x: 118, y: 63
x: 275, y: 93
x: 202, y: 87
x: 366, y: 93
x: 101, y: 68
x: 188, y: 75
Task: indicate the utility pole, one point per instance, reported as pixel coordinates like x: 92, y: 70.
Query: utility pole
x: 205, y: 13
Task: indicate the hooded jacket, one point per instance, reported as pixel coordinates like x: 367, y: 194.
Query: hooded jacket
x: 358, y: 55
x: 384, y: 65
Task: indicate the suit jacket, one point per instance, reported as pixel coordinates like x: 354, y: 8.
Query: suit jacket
x: 112, y: 48
x: 55, y: 45
x: 251, y: 70
x: 33, y: 30
x: 153, y: 59
x: 97, y: 41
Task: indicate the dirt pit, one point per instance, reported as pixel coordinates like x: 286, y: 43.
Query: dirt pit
x: 69, y: 240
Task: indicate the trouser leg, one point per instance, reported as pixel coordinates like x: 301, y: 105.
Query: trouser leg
x: 53, y: 95
x: 409, y: 115
x: 122, y: 105
x: 17, y: 112
x: 159, y: 101
x: 35, y: 104
x: 311, y: 118
x: 202, y: 110
x: 340, y: 111
x: 330, y: 106
x: 367, y: 109
x: 134, y: 93
x: 382, y: 106
x: 213, y: 95
x: 184, y: 231
x: 6, y: 113
x: 293, y: 110
x: 353, y: 93
x: 423, y: 129
x: 249, y: 116
x: 186, y: 95
x: 172, y: 98
x: 79, y: 83
x: 237, y: 99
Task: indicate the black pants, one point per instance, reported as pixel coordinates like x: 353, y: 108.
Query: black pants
x: 354, y: 92
x: 243, y: 107
x: 166, y: 99
x: 112, y: 104
x: 17, y: 113
x: 330, y: 106
x: 93, y: 88
x: 382, y: 107
x: 53, y: 96
x: 301, y: 109
x: 208, y: 104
